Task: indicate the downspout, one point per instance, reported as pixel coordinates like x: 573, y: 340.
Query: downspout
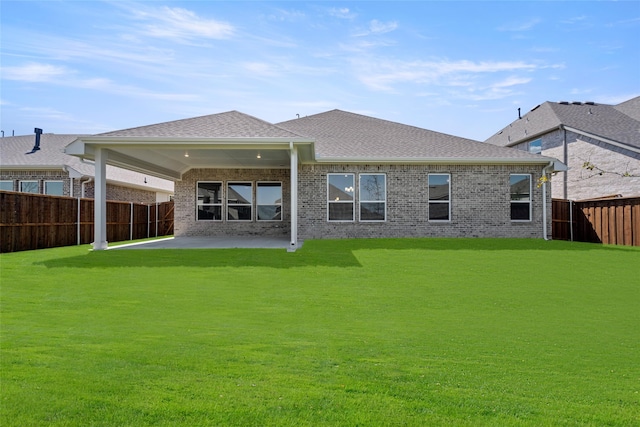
x: 565, y: 160
x: 84, y: 188
x: 544, y: 201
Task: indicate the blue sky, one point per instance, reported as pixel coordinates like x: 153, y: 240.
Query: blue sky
x: 462, y: 68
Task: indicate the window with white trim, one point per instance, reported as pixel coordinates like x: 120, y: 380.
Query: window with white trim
x: 54, y: 188
x: 239, y: 201
x: 341, y: 196
x: 6, y: 185
x: 520, y: 189
x: 269, y: 201
x: 373, y: 197
x: 439, y: 196
x: 209, y: 203
x: 30, y: 187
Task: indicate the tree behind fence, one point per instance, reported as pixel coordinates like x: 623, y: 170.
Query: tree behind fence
x: 36, y: 221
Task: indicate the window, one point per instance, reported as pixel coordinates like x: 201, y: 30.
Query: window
x: 439, y: 196
x: 54, y: 188
x: 269, y: 201
x: 535, y: 146
x: 520, y: 197
x: 239, y: 201
x: 373, y: 197
x: 340, y: 197
x: 6, y: 185
x: 209, y: 205
x: 29, y: 187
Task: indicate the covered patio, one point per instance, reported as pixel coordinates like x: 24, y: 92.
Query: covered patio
x: 226, y: 141
x: 241, y: 242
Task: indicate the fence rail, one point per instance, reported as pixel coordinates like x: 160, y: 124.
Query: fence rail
x: 610, y: 221
x: 36, y: 221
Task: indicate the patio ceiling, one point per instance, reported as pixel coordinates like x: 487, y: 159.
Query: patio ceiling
x: 170, y: 159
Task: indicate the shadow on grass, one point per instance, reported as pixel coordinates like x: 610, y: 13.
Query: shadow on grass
x: 329, y: 253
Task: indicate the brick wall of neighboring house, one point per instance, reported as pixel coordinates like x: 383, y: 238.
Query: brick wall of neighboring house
x: 114, y: 192
x: 120, y: 194
x: 480, y: 203
x: 580, y: 183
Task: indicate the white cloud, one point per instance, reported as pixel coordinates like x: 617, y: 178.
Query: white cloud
x: 181, y: 24
x: 342, y: 13
x: 377, y: 27
x: 520, y: 26
x: 34, y: 72
x: 384, y: 75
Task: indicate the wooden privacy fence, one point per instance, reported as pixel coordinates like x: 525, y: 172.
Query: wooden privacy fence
x: 609, y: 221
x: 36, y: 221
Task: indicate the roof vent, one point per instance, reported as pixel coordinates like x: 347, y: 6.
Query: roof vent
x: 590, y: 103
x: 577, y: 103
x: 563, y: 102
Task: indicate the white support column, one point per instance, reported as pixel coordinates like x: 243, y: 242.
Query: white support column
x: 100, y: 201
x: 294, y: 198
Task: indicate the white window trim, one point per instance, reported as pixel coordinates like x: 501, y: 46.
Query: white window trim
x: 448, y: 202
x: 221, y: 204
x: 384, y: 201
x: 530, y: 201
x: 28, y: 180
x: 281, y: 197
x: 44, y: 187
x: 250, y: 204
x: 531, y: 142
x: 353, y: 202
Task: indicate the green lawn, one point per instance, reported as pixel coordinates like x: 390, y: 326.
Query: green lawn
x: 409, y: 332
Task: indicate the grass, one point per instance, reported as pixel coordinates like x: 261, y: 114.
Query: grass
x: 385, y: 332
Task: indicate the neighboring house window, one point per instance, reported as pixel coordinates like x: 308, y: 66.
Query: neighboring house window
x: 269, y: 201
x: 520, y: 197
x: 535, y: 147
x: 439, y: 196
x: 373, y: 197
x: 6, y: 185
x: 209, y: 206
x: 29, y: 187
x: 54, y: 188
x: 340, y: 196
x: 239, y: 201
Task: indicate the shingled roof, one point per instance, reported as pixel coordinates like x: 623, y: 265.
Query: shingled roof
x: 341, y: 135
x: 232, y: 124
x: 620, y: 123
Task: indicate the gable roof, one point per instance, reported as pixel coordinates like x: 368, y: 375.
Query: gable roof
x: 344, y: 136
x: 619, y: 123
x: 232, y: 124
x: 51, y: 156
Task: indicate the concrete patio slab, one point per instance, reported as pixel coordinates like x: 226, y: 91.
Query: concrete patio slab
x: 210, y: 243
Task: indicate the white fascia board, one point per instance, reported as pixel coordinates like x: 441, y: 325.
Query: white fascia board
x: 438, y: 160
x: 231, y: 142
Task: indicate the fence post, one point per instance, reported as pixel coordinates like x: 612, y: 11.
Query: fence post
x: 571, y: 220
x: 156, y: 219
x: 131, y: 223
x: 79, y: 240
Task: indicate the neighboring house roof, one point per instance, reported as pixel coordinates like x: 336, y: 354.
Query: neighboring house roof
x: 617, y: 124
x: 51, y: 156
x: 345, y: 136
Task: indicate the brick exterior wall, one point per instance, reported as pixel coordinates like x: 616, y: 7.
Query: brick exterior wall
x: 114, y: 192
x: 480, y: 203
x: 579, y: 183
